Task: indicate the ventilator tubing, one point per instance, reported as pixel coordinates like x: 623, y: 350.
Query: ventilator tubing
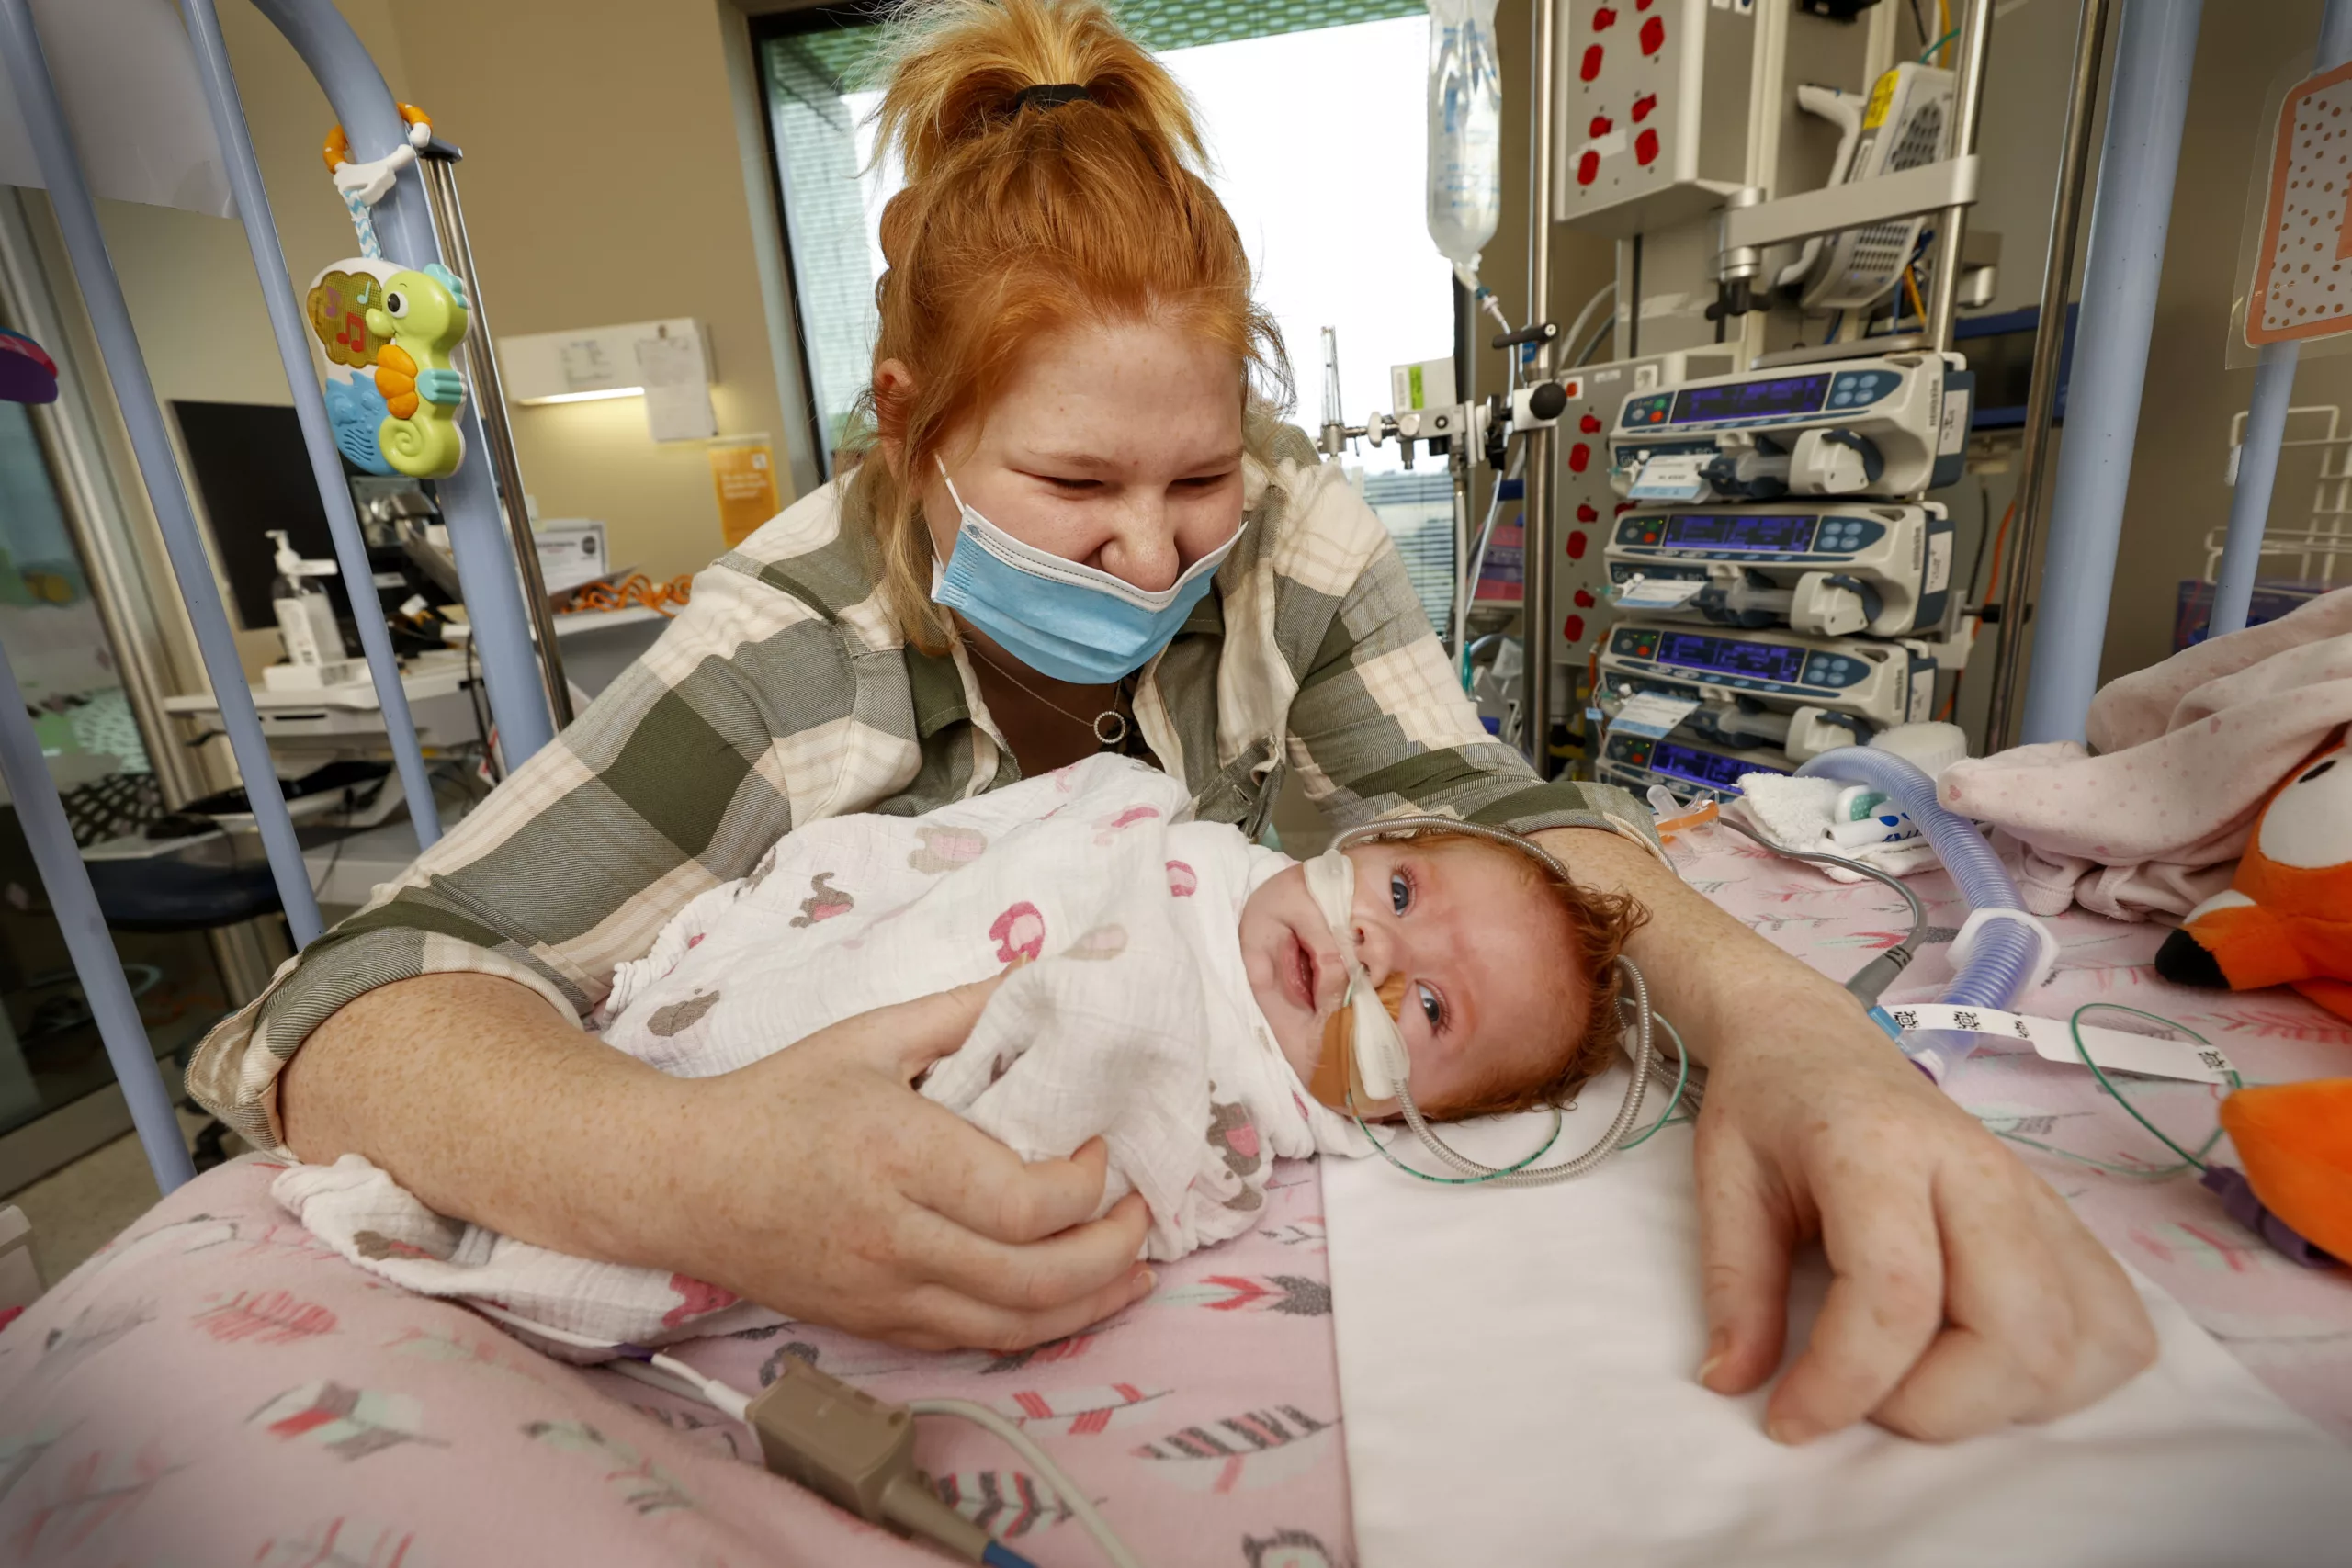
x: 2007, y: 954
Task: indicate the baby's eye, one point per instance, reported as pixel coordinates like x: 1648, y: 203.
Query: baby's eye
x: 1400, y: 890
x: 1431, y: 1008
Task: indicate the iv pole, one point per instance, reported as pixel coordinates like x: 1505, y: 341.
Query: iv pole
x: 1537, y: 628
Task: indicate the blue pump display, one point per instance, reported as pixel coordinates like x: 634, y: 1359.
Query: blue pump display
x: 2007, y: 954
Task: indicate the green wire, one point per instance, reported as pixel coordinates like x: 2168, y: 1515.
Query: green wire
x: 2153, y: 1173
x: 1673, y: 1103
x: 1674, y: 1100
x: 2074, y: 1028
x: 1558, y: 1124
x: 1929, y: 53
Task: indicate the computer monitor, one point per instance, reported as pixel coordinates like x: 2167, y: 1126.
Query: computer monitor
x: 254, y: 472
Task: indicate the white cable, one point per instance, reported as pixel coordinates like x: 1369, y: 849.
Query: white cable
x: 1026, y: 1447
x: 718, y: 1395
x: 1575, y: 335
x: 683, y: 1380
x: 641, y: 1372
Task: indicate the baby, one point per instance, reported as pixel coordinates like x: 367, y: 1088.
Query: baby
x: 1172, y: 988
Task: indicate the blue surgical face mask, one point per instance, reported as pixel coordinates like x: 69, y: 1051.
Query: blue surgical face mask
x: 1072, y: 622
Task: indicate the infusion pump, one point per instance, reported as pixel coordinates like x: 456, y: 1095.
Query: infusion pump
x: 1762, y: 682
x: 1882, y: 568
x: 1890, y: 425
x: 1708, y: 770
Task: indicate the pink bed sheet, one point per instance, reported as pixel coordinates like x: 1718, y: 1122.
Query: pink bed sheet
x: 2291, y: 1326
x: 218, y: 1387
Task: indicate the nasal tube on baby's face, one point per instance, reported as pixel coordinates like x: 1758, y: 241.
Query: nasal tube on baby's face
x: 1332, y: 1065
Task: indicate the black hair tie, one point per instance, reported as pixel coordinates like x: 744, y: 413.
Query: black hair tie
x: 1050, y: 95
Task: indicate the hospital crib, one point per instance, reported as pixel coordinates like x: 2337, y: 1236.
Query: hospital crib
x: 421, y: 222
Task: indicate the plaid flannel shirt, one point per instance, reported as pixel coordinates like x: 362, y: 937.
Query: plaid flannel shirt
x: 784, y: 694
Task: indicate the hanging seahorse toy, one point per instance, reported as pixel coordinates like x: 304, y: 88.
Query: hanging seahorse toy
x: 386, y: 331
x: 423, y: 314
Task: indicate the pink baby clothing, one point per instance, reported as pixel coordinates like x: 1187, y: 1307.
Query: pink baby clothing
x: 2149, y: 819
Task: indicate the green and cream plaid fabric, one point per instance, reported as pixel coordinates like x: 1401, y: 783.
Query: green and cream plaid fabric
x: 784, y: 694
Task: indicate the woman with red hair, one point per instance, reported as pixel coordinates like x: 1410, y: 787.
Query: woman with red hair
x: 1079, y: 523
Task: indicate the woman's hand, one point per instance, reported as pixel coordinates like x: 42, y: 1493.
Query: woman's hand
x: 850, y: 1201
x: 815, y: 1182
x: 1966, y: 1294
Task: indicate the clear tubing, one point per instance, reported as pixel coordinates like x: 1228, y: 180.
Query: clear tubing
x: 2002, y: 963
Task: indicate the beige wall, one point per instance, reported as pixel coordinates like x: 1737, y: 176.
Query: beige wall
x: 603, y: 182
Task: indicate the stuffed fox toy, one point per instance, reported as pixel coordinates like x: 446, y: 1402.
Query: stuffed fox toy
x: 2286, y: 919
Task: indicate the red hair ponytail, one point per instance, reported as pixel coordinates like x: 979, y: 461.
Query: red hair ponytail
x: 1018, y: 221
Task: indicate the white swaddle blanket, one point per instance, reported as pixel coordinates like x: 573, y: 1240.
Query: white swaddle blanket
x: 1129, y: 1017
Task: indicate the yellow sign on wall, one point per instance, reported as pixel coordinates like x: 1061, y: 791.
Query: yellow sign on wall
x: 744, y: 475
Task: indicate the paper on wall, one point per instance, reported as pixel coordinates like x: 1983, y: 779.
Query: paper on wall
x: 677, y: 388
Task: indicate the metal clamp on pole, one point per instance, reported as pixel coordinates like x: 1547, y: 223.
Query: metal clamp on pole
x: 309, y: 407
x: 77, y: 216
x: 1930, y: 188
x: 439, y: 164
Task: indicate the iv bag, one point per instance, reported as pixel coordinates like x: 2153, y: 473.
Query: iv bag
x: 1465, y: 115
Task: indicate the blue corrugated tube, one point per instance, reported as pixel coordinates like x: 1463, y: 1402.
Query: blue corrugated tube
x: 2007, y: 951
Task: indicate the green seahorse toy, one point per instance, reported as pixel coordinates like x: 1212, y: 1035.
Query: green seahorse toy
x: 424, y: 315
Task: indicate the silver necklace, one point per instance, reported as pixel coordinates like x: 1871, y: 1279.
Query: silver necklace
x: 1110, y: 726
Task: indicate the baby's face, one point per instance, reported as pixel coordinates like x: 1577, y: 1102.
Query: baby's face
x: 1480, y: 948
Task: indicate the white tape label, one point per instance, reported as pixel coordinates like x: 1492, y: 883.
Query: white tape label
x: 1673, y: 477
x: 1652, y: 714
x: 1953, y: 431
x: 1939, y: 564
x: 2115, y: 1050
x: 1659, y: 592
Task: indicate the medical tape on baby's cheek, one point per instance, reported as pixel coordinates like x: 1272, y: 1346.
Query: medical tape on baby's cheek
x: 1367, y: 1045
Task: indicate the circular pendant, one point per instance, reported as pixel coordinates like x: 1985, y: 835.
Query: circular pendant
x: 1110, y: 729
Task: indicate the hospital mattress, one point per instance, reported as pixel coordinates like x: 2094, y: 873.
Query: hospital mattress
x: 1517, y: 1367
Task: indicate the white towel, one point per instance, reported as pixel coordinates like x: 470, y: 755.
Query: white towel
x: 1130, y: 1017
x: 1795, y: 813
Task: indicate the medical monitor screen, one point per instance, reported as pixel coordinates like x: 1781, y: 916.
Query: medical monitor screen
x: 1750, y: 399
x: 1708, y: 768
x: 1756, y: 661
x: 1736, y: 531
